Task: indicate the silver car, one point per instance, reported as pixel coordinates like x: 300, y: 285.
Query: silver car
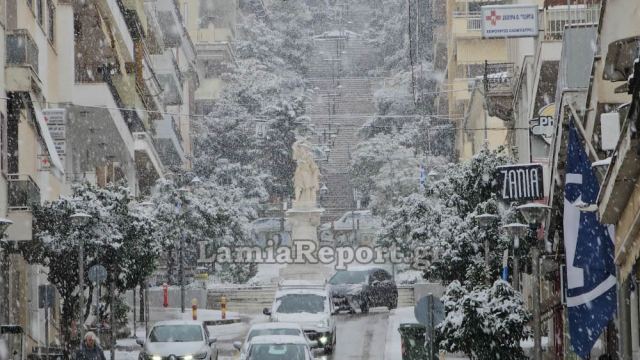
x: 178, y: 340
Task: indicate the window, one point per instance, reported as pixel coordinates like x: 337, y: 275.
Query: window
x: 51, y: 12
x: 40, y: 11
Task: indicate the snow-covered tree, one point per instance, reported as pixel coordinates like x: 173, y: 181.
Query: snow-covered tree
x: 443, y: 219
x: 120, y: 236
x: 211, y: 213
x: 486, y: 323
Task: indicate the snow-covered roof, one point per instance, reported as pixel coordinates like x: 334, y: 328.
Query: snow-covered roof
x: 305, y: 291
x: 178, y: 322
x: 279, y: 339
x: 275, y: 325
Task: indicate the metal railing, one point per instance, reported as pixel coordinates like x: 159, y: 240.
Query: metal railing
x: 554, y: 20
x: 474, y: 19
x: 23, y: 192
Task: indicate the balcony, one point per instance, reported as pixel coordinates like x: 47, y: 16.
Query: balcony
x: 168, y: 141
x: 135, y: 17
x: 170, y: 19
x: 553, y: 20
x: 467, y: 24
x: 22, y: 62
x: 169, y: 76
x: 149, y: 166
x: 22, y: 193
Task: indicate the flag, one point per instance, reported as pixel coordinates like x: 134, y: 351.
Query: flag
x: 505, y: 265
x: 589, y: 249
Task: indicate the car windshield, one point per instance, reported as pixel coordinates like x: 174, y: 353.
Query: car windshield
x: 277, y: 352
x: 298, y: 303
x: 349, y: 277
x: 176, y: 333
x: 263, y: 332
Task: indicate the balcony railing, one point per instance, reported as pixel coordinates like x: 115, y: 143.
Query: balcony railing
x: 21, y: 49
x: 472, y: 20
x: 554, y: 20
x: 23, y: 192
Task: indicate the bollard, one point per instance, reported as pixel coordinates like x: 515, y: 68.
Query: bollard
x: 223, y: 307
x: 194, y: 309
x: 165, y: 294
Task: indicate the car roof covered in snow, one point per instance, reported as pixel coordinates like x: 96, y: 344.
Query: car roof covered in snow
x: 279, y: 339
x: 275, y: 325
x: 177, y: 322
x: 302, y: 291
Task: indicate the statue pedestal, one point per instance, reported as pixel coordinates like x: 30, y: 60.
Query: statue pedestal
x: 304, y: 222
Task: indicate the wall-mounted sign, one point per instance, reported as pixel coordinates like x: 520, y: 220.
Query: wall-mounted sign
x: 520, y: 182
x: 544, y: 124
x: 509, y: 21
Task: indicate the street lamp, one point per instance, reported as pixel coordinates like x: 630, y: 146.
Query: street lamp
x: 534, y: 214
x: 4, y: 225
x: 516, y: 231
x: 183, y: 191
x: 80, y: 219
x: 485, y: 221
x: 144, y: 310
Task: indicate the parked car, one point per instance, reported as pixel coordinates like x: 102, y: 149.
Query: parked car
x: 279, y: 347
x: 311, y: 308
x: 183, y: 340
x: 363, y: 288
x: 280, y: 328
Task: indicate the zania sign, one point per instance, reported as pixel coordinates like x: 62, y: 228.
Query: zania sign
x: 520, y: 182
x: 509, y: 21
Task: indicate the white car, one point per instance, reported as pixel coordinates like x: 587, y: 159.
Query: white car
x: 279, y: 347
x: 289, y: 329
x: 178, y: 340
x: 309, y: 307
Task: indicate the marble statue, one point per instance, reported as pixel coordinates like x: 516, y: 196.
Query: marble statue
x: 306, y: 178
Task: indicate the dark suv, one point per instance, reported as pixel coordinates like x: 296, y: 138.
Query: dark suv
x: 362, y: 289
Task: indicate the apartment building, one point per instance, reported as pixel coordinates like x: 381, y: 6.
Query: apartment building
x: 469, y: 57
x: 212, y: 26
x: 97, y: 91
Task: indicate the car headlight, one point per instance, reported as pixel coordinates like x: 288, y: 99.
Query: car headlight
x: 201, y: 355
x: 187, y: 357
x: 156, y: 357
x: 323, y: 339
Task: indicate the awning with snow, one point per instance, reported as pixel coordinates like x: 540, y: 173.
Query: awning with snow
x: 56, y: 163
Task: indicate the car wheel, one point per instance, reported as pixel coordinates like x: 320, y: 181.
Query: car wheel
x: 364, y: 307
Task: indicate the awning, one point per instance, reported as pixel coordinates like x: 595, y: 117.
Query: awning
x: 48, y: 140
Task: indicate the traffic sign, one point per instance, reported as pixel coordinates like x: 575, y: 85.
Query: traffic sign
x: 421, y: 310
x: 97, y: 274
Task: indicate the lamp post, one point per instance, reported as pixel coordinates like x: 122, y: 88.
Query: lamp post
x: 78, y: 220
x: 4, y: 272
x: 183, y: 191
x: 516, y: 231
x: 534, y: 214
x: 144, y: 300
x: 485, y: 221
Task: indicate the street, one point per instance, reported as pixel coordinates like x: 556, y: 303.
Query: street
x: 360, y: 336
